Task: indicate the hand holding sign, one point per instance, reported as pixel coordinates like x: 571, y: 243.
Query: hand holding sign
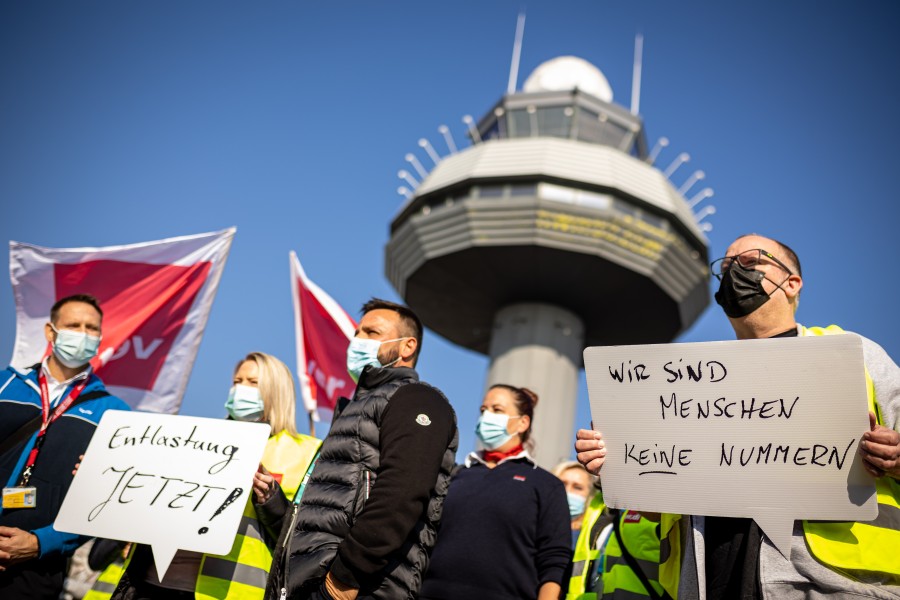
x: 766, y: 429
x: 168, y: 481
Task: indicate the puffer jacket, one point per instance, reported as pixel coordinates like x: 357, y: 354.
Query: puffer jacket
x: 337, y: 491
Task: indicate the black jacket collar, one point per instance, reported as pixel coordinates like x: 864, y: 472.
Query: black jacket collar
x: 372, y: 377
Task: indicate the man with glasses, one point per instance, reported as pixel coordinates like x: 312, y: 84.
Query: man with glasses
x: 759, y: 290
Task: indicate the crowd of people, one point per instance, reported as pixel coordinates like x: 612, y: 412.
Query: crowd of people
x: 380, y: 508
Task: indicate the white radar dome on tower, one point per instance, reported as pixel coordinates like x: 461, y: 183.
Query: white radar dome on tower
x: 567, y: 73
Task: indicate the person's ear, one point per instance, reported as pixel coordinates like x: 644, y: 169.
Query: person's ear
x: 523, y: 425
x: 49, y: 334
x: 792, y: 287
x: 408, y: 348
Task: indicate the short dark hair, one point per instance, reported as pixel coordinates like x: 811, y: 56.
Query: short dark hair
x: 410, y: 323
x: 86, y: 298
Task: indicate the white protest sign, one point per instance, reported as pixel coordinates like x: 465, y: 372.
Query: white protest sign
x: 766, y: 429
x: 169, y: 481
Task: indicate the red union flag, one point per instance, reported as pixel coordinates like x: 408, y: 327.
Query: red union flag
x: 324, y: 330
x: 155, y: 297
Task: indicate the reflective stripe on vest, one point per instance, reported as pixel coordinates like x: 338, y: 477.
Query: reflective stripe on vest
x: 243, y: 571
x: 670, y: 553
x: 107, y: 582
x: 642, y: 542
x: 586, y: 551
x: 860, y: 548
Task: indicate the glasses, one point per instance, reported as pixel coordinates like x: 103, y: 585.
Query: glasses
x: 748, y: 259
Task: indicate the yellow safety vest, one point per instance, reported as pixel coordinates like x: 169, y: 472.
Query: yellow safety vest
x: 863, y: 551
x: 242, y: 573
x: 869, y: 552
x: 586, y: 552
x: 643, y: 544
x: 107, y: 582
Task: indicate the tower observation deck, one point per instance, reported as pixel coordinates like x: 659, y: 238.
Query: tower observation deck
x: 550, y: 233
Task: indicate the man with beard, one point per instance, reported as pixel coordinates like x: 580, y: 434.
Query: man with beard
x: 726, y: 558
x: 370, y: 508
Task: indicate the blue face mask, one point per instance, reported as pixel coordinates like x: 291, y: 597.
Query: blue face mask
x: 244, y: 403
x: 74, y: 348
x: 364, y: 352
x: 491, y: 429
x: 576, y: 504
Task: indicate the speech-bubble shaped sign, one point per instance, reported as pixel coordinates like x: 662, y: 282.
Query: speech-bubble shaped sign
x: 765, y: 429
x: 168, y: 481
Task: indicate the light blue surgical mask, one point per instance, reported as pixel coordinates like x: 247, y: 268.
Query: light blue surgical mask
x: 576, y: 504
x: 244, y: 403
x: 491, y: 429
x: 74, y: 348
x: 363, y: 352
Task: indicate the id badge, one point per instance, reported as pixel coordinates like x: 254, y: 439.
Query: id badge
x: 19, y: 497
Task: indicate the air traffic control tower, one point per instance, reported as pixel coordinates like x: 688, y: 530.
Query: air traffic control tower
x: 550, y: 233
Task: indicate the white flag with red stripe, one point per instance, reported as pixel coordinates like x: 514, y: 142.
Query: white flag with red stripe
x: 155, y: 297
x: 324, y: 330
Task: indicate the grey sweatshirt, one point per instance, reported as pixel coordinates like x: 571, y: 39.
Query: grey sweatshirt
x: 802, y: 577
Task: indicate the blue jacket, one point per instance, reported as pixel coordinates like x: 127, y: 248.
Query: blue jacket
x: 66, y: 439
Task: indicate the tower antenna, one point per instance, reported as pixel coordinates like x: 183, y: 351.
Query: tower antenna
x: 517, y: 52
x: 448, y: 138
x: 660, y: 144
x: 636, y: 74
x: 411, y: 159
x: 698, y: 175
x: 700, y: 197
x: 429, y: 149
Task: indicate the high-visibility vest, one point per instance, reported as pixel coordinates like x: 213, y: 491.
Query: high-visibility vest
x: 641, y: 539
x: 861, y: 550
x: 586, y: 551
x: 107, y: 582
x: 242, y: 573
x: 670, y: 553
x: 866, y: 551
x: 288, y: 457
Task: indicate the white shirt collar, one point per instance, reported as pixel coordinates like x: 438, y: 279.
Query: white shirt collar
x: 56, y: 388
x: 475, y: 457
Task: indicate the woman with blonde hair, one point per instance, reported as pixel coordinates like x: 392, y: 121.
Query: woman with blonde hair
x: 262, y: 391
x: 579, y: 490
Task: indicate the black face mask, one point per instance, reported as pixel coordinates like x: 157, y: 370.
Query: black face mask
x: 741, y: 291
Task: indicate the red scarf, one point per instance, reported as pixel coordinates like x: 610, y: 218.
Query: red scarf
x: 495, y: 456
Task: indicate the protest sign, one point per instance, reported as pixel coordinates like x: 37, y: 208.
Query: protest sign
x: 766, y: 429
x: 168, y: 481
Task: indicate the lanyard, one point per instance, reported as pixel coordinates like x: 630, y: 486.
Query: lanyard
x: 48, y: 419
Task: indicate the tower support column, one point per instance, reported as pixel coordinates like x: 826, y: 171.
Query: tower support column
x: 539, y: 346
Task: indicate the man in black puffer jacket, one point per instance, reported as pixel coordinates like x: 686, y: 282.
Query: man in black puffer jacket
x: 371, y: 506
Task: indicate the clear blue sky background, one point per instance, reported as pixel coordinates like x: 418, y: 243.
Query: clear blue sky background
x: 131, y: 121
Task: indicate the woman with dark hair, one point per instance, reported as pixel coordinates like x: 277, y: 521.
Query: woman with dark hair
x: 505, y: 528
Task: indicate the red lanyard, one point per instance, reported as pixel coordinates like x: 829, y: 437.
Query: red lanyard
x: 48, y: 420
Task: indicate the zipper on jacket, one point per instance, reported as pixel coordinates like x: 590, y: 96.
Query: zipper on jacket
x: 286, y: 547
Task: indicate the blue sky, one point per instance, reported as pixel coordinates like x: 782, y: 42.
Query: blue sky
x: 131, y: 121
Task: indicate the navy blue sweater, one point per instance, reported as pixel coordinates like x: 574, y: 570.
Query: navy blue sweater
x: 504, y: 532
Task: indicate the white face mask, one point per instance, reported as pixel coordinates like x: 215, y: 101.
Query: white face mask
x: 363, y: 352
x: 244, y: 403
x: 74, y: 348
